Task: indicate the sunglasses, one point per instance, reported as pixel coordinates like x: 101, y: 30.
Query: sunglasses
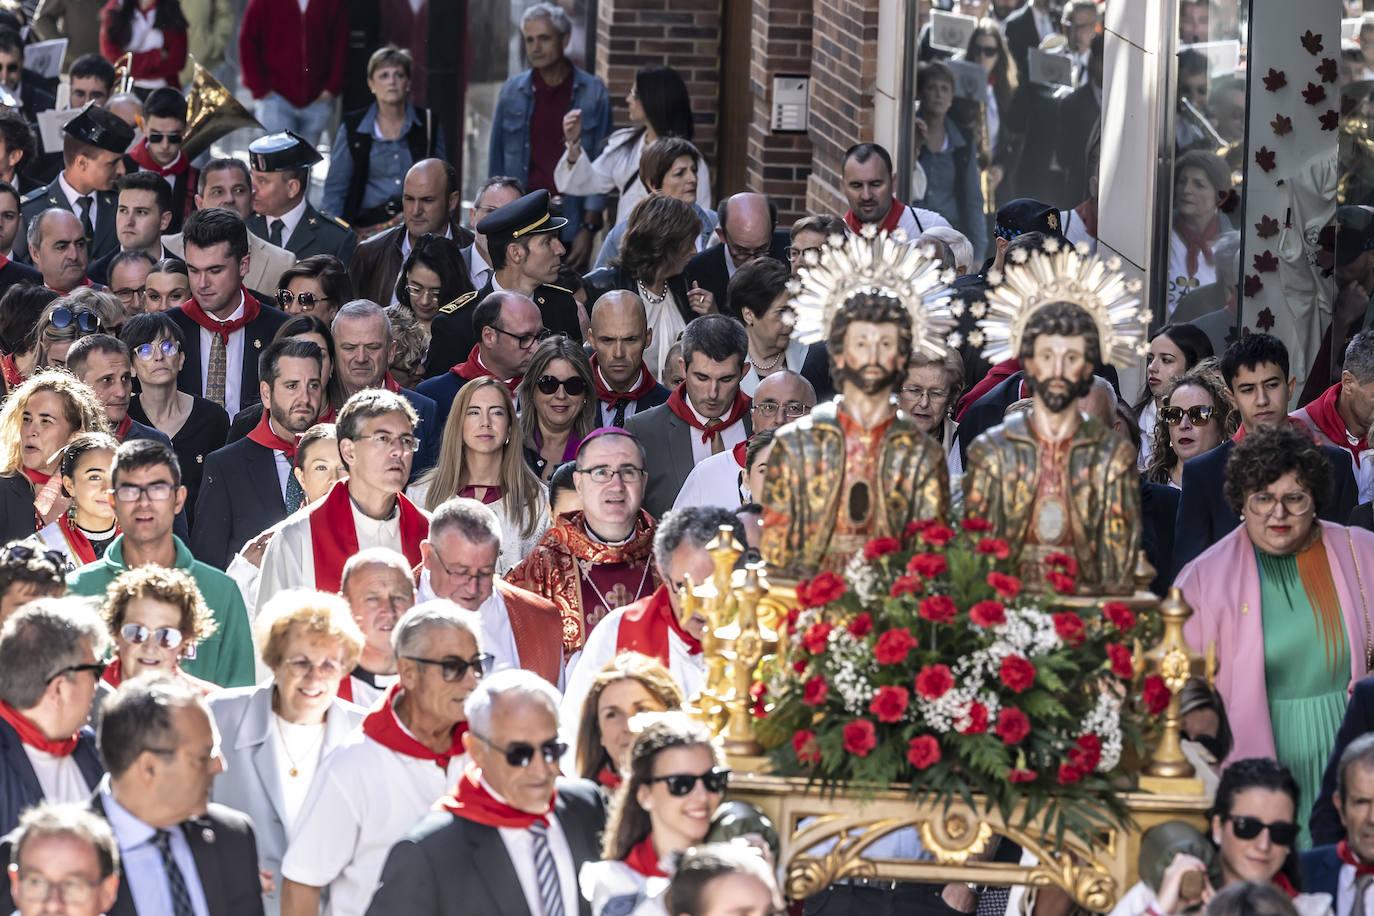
x: 521, y: 754
x: 24, y: 553
x: 167, y: 348
x: 1198, y: 416
x: 1281, y: 833
x: 984, y: 51
x: 679, y: 784
x: 548, y: 384
x: 455, y: 669
x: 306, y: 299
x: 62, y: 317
x: 164, y: 138
x: 138, y: 634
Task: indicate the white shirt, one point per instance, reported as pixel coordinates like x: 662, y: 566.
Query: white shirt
x: 58, y: 776
x: 1044, y: 22
x: 233, y: 361
x: 519, y: 845
x: 480, y: 271
x: 1149, y: 416
x: 666, y: 322
x: 730, y: 436
x: 141, y: 861
x: 290, y: 220
x: 1345, y: 892
x: 1180, y: 284
x: 283, y: 470
x: 73, y: 195
x: 713, y: 482
x: 607, y: 412
x: 364, y: 798
x: 615, y: 170
x: 299, y: 748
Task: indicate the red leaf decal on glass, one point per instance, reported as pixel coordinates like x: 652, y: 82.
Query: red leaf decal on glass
x: 1264, y: 320
x: 1267, y: 227
x: 1331, y: 120
x: 1327, y: 70
x: 1282, y: 125
x: 1311, y: 42
x: 1314, y: 94
x: 1252, y: 286
x: 1275, y: 80
x: 1266, y: 263
x: 1264, y: 158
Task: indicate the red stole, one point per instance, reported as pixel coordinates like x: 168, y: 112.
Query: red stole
x: 889, y: 223
x: 473, y: 368
x: 123, y: 428
x: 1345, y: 855
x: 263, y: 434
x: 644, y: 860
x: 333, y: 539
x: 77, y: 541
x: 1328, y: 419
x: 13, y: 377
x: 996, y: 375
x: 382, y: 726
x: 85, y: 281
x: 144, y: 157
x: 611, y: 398
x: 30, y: 735
x: 677, y: 403
x: 1199, y: 244
x: 645, y: 624
x: 471, y: 801
x: 251, y: 308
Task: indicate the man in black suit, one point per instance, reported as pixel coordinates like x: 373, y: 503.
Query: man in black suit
x: 619, y: 336
x: 1256, y: 372
x: 281, y: 175
x: 747, y: 231
x: 236, y: 503
x: 179, y: 855
x: 35, y: 93
x: 142, y: 214
x: 1025, y: 29
x: 458, y: 859
x: 224, y: 326
x: 1345, y: 815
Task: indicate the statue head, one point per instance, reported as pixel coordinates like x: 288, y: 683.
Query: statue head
x: 870, y: 343
x: 1059, y: 351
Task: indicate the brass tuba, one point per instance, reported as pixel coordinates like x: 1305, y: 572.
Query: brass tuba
x: 211, y: 112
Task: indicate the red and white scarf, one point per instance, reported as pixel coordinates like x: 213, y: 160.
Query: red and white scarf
x: 889, y: 223
x: 382, y: 726
x: 77, y: 543
x: 333, y: 537
x: 677, y: 403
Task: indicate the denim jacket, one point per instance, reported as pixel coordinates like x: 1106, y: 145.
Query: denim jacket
x: 509, y: 152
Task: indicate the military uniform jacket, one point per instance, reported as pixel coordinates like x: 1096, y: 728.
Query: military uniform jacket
x: 103, y: 213
x: 452, y: 337
x: 314, y: 234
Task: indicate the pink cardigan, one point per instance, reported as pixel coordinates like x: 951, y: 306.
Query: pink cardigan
x: 1222, y: 586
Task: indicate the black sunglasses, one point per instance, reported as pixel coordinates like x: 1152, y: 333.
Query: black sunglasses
x: 307, y: 299
x: 62, y: 317
x: 679, y: 784
x: 164, y: 138
x: 455, y: 669
x: 24, y: 553
x: 573, y: 385
x: 1282, y: 833
x: 521, y: 754
x: 1198, y: 416
x: 984, y: 51
x: 95, y: 668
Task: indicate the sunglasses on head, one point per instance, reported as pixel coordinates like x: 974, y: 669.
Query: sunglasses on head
x: 1281, y: 833
x: 138, y: 634
x: 679, y: 784
x: 1198, y: 416
x: 165, y: 138
x: 24, y: 553
x: 521, y: 754
x: 62, y: 317
x: 548, y: 384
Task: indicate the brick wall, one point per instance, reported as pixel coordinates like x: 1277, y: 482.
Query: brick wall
x: 778, y: 164
x: 844, y: 63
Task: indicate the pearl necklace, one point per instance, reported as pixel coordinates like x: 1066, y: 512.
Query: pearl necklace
x: 759, y: 366
x: 650, y: 298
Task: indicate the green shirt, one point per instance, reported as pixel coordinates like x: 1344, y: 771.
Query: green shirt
x: 226, y: 657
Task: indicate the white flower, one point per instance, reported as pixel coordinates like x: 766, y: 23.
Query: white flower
x: 1105, y: 722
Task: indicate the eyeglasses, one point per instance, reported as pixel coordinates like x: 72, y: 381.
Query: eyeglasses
x: 548, y: 384
x: 150, y: 351
x: 1264, y: 503
x: 679, y: 784
x: 919, y: 394
x: 37, y: 889
x: 984, y: 51
x: 455, y: 669
x: 1281, y: 833
x: 796, y: 254
x: 747, y: 254
x: 634, y: 92
x: 524, y: 341
x: 62, y: 317
x: 138, y: 634
x: 603, y: 473
x: 130, y: 493
x: 127, y: 293
x: 520, y: 754
x: 154, y: 137
x: 94, y: 667
x: 329, y: 669
x: 421, y: 294
x: 24, y: 553
x: 306, y: 300
x: 791, y: 410
x: 387, y: 440
x: 1198, y: 416
x: 463, y: 576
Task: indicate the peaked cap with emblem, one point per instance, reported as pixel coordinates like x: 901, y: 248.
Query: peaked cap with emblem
x: 520, y: 218
x: 282, y: 152
x: 1025, y: 214
x: 100, y: 128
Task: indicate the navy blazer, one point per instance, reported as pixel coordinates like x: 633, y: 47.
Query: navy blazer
x: 19, y: 788
x: 1320, y: 869
x: 257, y: 334
x: 1158, y: 511
x: 1325, y: 822
x: 239, y: 499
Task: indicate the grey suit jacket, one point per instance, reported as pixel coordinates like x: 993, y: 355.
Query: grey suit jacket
x: 667, y: 441
x: 251, y: 779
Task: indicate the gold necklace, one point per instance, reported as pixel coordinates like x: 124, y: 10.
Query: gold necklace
x: 286, y: 747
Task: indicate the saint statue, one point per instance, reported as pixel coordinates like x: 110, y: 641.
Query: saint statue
x: 857, y: 468
x: 1051, y: 480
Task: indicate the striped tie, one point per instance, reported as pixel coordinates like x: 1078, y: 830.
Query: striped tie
x: 176, y: 881
x: 545, y: 870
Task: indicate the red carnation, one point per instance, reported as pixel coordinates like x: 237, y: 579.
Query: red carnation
x: 1062, y: 584
x: 939, y: 609
x: 1156, y: 695
x: 1120, y: 657
x: 861, y: 625
x: 1005, y: 585
x: 821, y: 590
x: 927, y: 564
x: 994, y: 547
x: 934, y: 681
x: 860, y: 737
x: 1021, y: 775
x: 758, y: 691
x: 817, y: 637
x: 800, y: 665
x: 1122, y: 617
x: 890, y: 703
x: 1086, y: 753
x: 914, y: 528
x: 907, y: 585
x: 923, y: 752
x: 880, y: 547
x: 1017, y: 673
x: 893, y: 646
x: 977, y: 719
x: 1069, y: 774
x: 938, y: 535
x: 976, y: 524
x: 1063, y: 561
x: 988, y: 613
x: 1070, y: 628
x: 789, y: 623
x: 817, y: 689
x: 805, y: 747
x: 1012, y: 725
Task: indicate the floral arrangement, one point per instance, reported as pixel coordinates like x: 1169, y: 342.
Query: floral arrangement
x: 927, y: 663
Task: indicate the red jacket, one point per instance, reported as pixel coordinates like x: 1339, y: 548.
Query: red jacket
x: 164, y: 63
x: 295, y: 56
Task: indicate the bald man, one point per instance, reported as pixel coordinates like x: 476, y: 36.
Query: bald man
x: 429, y: 200
x: 619, y: 335
x: 747, y: 231
x: 781, y: 398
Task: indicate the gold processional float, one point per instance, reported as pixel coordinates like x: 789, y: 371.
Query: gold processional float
x: 825, y: 831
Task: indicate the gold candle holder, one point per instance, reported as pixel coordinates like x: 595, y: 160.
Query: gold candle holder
x: 1168, y: 770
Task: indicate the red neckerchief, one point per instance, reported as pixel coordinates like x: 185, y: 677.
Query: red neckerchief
x: 123, y: 428
x: 645, y: 624
x: 1281, y: 881
x: 1348, y: 857
x: 37, y: 478
x: 13, y: 376
x: 144, y: 158
x: 471, y: 801
x: 612, y: 398
x: 677, y: 403
x: 1087, y: 212
x: 251, y: 308
x: 739, y: 451
x: 333, y: 539
x: 327, y: 416
x: 609, y: 778
x: 85, y: 281
x: 1328, y: 419
x: 390, y: 384
x: 30, y: 735
x: 491, y: 494
x: 76, y: 539
x: 263, y: 434
x: 889, y: 223
x: 1198, y: 243
x: 473, y: 368
x: 382, y: 726
x: 996, y: 375
x: 114, y: 676
x: 346, y: 688
x: 644, y: 860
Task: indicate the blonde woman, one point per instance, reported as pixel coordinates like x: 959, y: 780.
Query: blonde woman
x: 80, y: 313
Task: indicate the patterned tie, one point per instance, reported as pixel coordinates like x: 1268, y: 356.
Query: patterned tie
x: 176, y: 881
x: 549, y: 890
x: 295, y: 494
x: 86, y: 225
x: 217, y: 368
x: 619, y: 418
x: 717, y: 440
x: 274, y: 232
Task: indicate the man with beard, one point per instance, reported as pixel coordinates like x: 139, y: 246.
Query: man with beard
x: 1051, y: 481
x: 856, y: 468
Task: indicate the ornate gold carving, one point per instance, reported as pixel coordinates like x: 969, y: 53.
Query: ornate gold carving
x: 956, y: 836
x: 1175, y: 662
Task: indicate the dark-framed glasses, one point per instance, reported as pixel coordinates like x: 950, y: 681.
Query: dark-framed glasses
x: 129, y: 293
x: 1281, y: 833
x: 63, y: 317
x: 1200, y: 415
x: 801, y: 254
x: 463, y: 574
x: 679, y: 784
x: 792, y: 410
x: 984, y: 51
x: 573, y: 385
x: 95, y: 668
x: 163, y: 637
x: 150, y: 351
x: 525, y: 341
x: 455, y: 669
x: 307, y: 300
x: 130, y: 493
x: 520, y: 754
x: 37, y: 889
